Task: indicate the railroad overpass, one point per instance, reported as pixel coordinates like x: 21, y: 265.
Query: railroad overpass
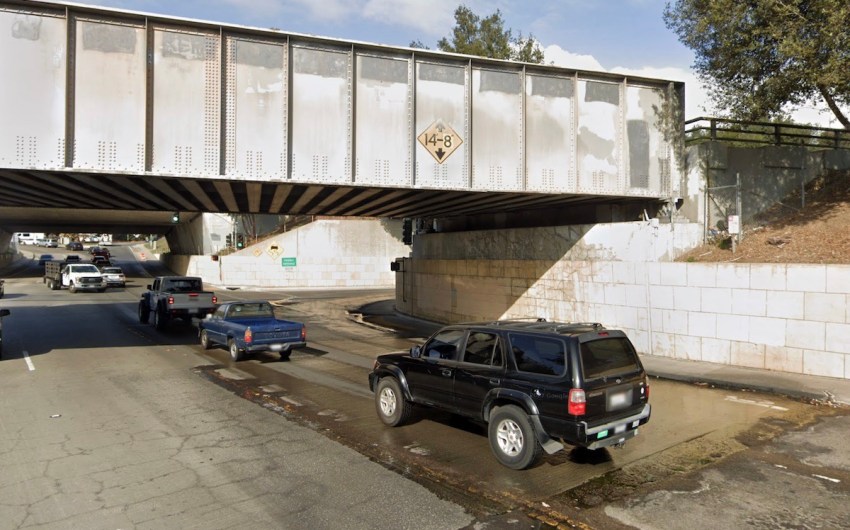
x: 113, y: 120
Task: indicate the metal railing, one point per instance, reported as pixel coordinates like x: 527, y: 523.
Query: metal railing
x: 705, y: 129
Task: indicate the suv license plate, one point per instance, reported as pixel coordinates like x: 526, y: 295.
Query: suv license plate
x: 618, y: 400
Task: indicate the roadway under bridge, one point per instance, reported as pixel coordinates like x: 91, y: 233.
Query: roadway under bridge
x: 113, y: 120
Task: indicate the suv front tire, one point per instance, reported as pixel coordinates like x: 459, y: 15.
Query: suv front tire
x: 392, y: 408
x: 512, y: 437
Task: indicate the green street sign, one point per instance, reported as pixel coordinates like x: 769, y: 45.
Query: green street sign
x: 287, y: 262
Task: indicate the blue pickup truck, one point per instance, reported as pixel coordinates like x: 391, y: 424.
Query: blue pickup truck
x: 251, y: 327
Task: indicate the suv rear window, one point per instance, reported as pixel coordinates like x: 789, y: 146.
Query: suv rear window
x: 607, y: 357
x: 538, y: 355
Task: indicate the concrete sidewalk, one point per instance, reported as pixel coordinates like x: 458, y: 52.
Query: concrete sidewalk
x: 826, y: 389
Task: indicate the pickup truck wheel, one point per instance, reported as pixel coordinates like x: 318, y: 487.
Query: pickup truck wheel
x: 392, y: 408
x: 235, y: 354
x: 512, y: 437
x: 205, y: 340
x: 72, y: 287
x: 50, y: 284
x: 160, y: 320
x: 144, y: 313
x: 284, y: 355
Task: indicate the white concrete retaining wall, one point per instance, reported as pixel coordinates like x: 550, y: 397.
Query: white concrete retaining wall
x: 791, y: 318
x: 350, y: 253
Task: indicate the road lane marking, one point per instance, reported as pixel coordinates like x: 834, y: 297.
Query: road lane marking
x: 764, y: 404
x: 29, y: 361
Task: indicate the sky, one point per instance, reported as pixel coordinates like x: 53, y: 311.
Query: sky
x: 620, y: 36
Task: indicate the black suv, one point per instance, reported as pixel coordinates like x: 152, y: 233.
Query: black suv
x: 533, y: 382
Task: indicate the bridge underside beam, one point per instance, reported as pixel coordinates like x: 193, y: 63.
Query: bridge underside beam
x: 39, y: 190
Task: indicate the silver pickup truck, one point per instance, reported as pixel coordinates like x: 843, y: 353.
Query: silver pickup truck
x: 170, y: 297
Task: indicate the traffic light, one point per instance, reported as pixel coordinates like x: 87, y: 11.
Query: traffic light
x: 229, y: 240
x: 240, y: 240
x: 175, y: 217
x: 407, y: 231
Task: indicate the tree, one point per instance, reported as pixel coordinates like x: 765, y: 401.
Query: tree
x: 761, y: 58
x: 487, y: 37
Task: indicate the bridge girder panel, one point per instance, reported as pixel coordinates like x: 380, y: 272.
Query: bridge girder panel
x: 128, y: 111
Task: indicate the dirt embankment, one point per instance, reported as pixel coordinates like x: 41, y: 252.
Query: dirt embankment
x: 787, y: 233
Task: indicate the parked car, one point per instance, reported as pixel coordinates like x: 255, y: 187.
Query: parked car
x: 3, y: 313
x: 74, y: 245
x: 114, y: 276
x: 51, y: 243
x: 44, y: 258
x: 536, y: 384
x: 251, y: 327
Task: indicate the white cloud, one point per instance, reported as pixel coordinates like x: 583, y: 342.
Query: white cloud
x: 560, y: 57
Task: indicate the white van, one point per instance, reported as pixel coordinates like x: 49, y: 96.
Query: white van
x: 27, y: 238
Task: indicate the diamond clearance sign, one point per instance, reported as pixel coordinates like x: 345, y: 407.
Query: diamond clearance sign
x: 440, y: 140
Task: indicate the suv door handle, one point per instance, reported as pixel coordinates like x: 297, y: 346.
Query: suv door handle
x: 494, y: 381
x: 446, y: 372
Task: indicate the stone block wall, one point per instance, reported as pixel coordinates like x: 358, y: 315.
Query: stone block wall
x: 784, y: 317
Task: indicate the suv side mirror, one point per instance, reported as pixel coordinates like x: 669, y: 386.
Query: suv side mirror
x: 416, y: 352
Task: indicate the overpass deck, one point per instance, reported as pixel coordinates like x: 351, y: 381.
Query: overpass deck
x: 114, y: 110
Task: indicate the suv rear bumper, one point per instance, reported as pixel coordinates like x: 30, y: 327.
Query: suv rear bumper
x: 597, y: 436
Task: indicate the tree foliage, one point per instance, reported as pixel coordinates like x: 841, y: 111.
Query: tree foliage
x: 487, y: 37
x: 761, y: 58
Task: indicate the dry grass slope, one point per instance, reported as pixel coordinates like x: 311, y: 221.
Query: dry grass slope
x: 819, y: 233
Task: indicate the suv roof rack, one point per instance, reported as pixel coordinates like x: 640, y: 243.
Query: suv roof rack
x: 539, y: 323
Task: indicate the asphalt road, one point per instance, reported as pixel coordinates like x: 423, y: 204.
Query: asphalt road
x: 106, y: 424
x: 120, y: 426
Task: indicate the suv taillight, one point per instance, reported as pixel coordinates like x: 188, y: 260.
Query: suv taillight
x: 249, y: 336
x: 303, y: 333
x: 578, y: 402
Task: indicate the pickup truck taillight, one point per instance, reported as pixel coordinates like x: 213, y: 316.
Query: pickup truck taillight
x: 303, y: 333
x: 170, y: 300
x: 215, y: 299
x: 578, y: 402
x: 248, y: 337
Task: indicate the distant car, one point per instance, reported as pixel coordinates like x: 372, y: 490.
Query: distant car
x: 72, y: 258
x: 100, y: 251
x: 74, y: 245
x: 44, y: 258
x: 3, y: 313
x: 114, y: 276
x: 41, y: 242
x: 100, y: 261
x: 51, y: 243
